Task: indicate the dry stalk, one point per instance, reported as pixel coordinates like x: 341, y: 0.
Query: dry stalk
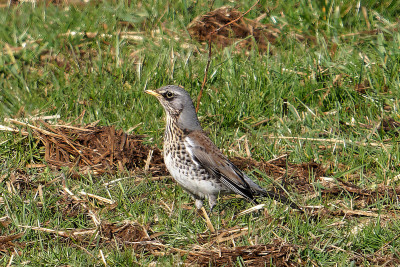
x: 102, y: 199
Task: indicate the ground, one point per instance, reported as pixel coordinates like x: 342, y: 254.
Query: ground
x: 301, y: 95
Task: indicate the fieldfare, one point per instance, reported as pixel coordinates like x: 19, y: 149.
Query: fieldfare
x: 192, y: 158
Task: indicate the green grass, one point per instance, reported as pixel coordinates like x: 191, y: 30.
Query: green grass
x: 105, y: 76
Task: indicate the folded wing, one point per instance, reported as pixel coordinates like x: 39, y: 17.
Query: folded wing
x: 206, y: 154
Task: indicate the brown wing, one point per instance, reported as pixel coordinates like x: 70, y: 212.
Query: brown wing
x: 204, y: 152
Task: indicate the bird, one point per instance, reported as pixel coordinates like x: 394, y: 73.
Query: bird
x: 194, y: 161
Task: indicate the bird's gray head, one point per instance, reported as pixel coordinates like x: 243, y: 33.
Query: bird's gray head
x: 177, y: 104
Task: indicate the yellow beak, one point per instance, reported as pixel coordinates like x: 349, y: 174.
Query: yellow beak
x: 153, y: 93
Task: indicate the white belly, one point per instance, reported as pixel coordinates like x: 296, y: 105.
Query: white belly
x: 190, y: 179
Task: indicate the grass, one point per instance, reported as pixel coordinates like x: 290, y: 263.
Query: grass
x: 45, y: 69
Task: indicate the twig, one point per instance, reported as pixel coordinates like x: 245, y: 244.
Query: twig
x: 103, y: 259
x: 32, y: 166
x: 274, y: 159
x: 137, y: 180
x: 102, y: 199
x: 250, y: 210
x: 116, y: 180
x: 11, y: 260
x: 364, y: 213
x: 35, y: 118
x: 170, y: 210
x: 73, y: 128
x: 148, y: 160
x: 84, y: 250
x: 150, y: 242
x: 40, y: 193
x: 8, y: 129
x: 68, y: 234
x: 35, y: 128
x: 261, y: 122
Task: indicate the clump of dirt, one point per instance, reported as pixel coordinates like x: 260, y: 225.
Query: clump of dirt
x: 8, y: 243
x: 363, y: 197
x: 303, y: 178
x: 296, y: 175
x: 377, y: 259
x: 278, y: 253
x: 70, y: 208
x: 21, y: 181
x: 82, y: 55
x: 98, y: 149
x: 226, y: 26
x: 130, y: 234
x: 207, y: 26
x: 390, y: 125
x: 127, y: 232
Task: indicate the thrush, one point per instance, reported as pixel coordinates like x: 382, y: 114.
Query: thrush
x: 194, y: 161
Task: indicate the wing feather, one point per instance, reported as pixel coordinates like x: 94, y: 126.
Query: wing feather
x: 205, y: 153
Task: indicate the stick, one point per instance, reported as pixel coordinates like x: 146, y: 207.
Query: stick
x: 35, y: 128
x: 68, y: 234
x: 11, y: 260
x: 103, y: 259
x: 102, y: 199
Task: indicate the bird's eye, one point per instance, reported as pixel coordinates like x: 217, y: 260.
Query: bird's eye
x: 169, y: 95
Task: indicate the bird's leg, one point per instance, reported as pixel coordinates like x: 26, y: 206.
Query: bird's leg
x: 208, y: 221
x: 212, y: 202
x: 198, y: 203
x: 199, y: 206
